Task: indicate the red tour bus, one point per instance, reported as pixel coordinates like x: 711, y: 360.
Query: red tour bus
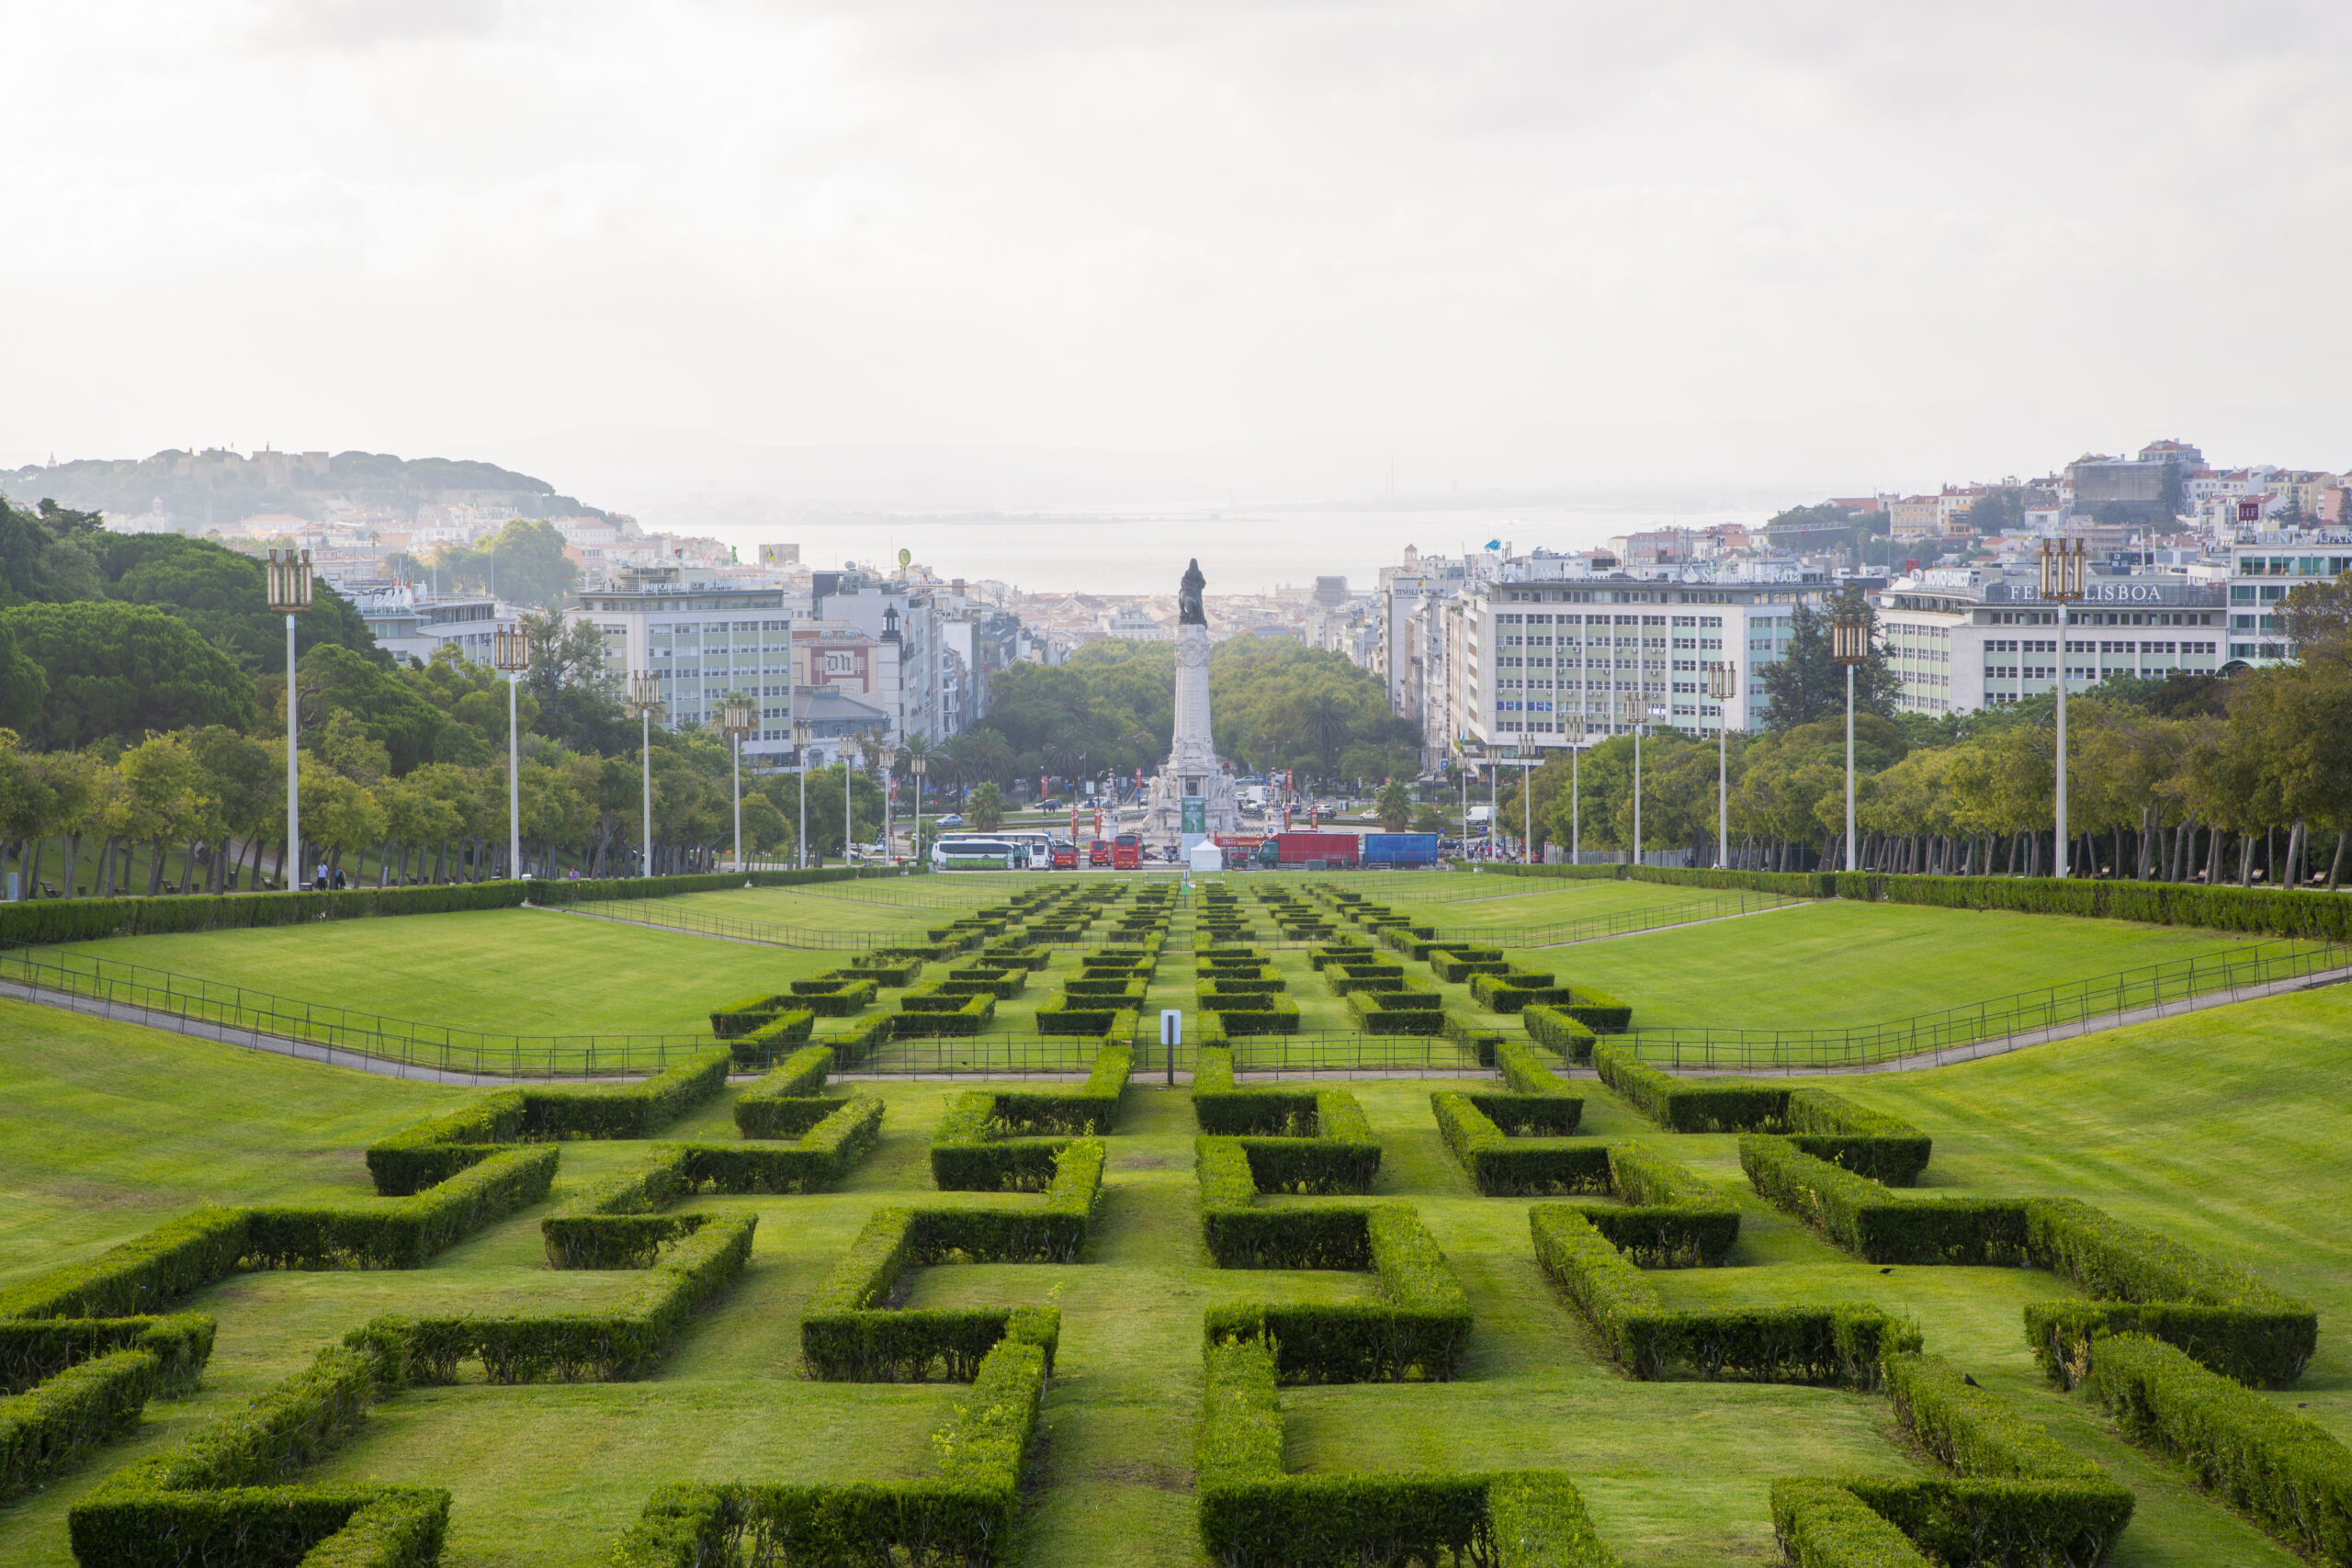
x: 1127, y: 852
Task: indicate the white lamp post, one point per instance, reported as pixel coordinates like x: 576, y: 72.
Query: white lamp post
x: 644, y: 696
x: 920, y: 764
x: 510, y: 651
x: 1632, y: 711
x: 1850, y: 645
x: 289, y: 593
x: 2063, y: 564
x: 735, y: 720
x: 801, y: 733
x: 1723, y: 685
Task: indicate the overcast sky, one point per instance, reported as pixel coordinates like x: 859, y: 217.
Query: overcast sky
x: 1497, y: 243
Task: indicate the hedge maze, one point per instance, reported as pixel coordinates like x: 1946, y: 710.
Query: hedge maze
x: 1559, y: 1202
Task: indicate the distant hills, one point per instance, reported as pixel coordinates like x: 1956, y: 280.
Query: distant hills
x: 218, y: 486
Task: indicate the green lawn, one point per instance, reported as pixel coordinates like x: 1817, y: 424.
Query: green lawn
x: 1836, y: 964
x: 530, y: 971
x: 2222, y: 1129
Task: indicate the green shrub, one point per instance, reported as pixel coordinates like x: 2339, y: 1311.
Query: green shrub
x: 963, y: 1516
x: 787, y: 1102
x: 2286, y: 1473
x: 1827, y: 1126
x: 1668, y: 1217
x: 845, y: 1334
x: 1874, y: 1223
x: 1253, y: 1516
x: 777, y: 1035
x: 35, y: 1348
x: 1597, y: 1011
x: 1398, y: 1013
x: 820, y: 1156
x: 888, y: 969
x: 1500, y: 1164
x: 1525, y: 1072
x: 427, y: 1152
x: 990, y: 1141
x: 1456, y: 962
x: 2261, y: 911
x: 923, y: 1015
x: 615, y: 1223
x: 1415, y: 1329
x: 1549, y: 1026
x: 1820, y: 1524
x: 854, y: 1044
x: 635, y: 1110
x: 2220, y: 1315
x: 746, y: 1013
x: 1838, y: 1344
x: 138, y: 1276
x: 1515, y: 989
x: 399, y: 1233
x: 74, y: 1411
x: 612, y: 1344
x: 216, y: 1496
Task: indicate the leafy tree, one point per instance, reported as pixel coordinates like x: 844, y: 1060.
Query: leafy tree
x: 1997, y: 511
x: 247, y: 779
x: 2172, y: 495
x: 577, y: 692
x: 1394, y: 805
x: 523, y: 563
x: 1429, y: 819
x: 122, y: 670
x: 2318, y: 617
x: 1808, y: 683
x: 225, y: 595
x: 986, y: 808
x: 335, y: 681
x: 45, y: 556
x: 23, y: 685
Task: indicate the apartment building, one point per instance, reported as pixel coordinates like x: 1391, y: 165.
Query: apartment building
x: 1962, y: 639
x: 1547, y: 656
x: 2264, y: 566
x: 700, y: 641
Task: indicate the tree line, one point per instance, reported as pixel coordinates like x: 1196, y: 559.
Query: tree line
x: 2244, y: 780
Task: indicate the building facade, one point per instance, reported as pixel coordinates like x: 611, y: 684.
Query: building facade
x: 1964, y: 639
x: 700, y: 642
x: 2264, y: 566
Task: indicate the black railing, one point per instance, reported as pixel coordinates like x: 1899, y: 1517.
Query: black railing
x: 2023, y: 1017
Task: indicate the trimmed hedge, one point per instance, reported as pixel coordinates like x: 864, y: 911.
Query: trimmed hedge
x: 1500, y: 1164
x: 1515, y: 989
x: 2283, y: 1471
x: 886, y: 968
x: 1313, y: 1141
x: 1669, y: 1218
x: 1456, y: 962
x: 2220, y: 1314
x: 1414, y: 1331
x: 823, y: 1156
x: 1526, y: 1072
x: 614, y: 1223
x: 842, y: 993
x: 401, y: 1233
x: 216, y: 1495
x: 1870, y: 1221
x: 1003, y: 982
x: 33, y: 1349
x: 1825, y: 1126
x: 1550, y: 1026
x: 1237, y: 1016
x: 616, y: 1343
x: 846, y: 1336
x: 137, y: 1277
x: 788, y: 1101
x: 1840, y: 1344
x: 746, y: 1013
x: 989, y: 1140
x: 1253, y: 1516
x: 71, y: 1412
x: 1820, y: 1524
x: 962, y: 1516
x: 928, y: 1014
x: 778, y: 1035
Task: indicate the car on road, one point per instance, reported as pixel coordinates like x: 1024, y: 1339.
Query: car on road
x: 952, y: 819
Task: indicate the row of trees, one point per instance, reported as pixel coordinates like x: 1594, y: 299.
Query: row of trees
x: 1274, y: 704
x: 2189, y: 778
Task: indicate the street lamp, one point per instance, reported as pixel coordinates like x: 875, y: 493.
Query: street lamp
x: 289, y: 593
x: 1632, y: 711
x: 920, y: 764
x: 2063, y: 562
x: 802, y: 731
x: 1849, y: 644
x: 510, y: 651
x: 1723, y: 685
x: 735, y: 722
x: 644, y: 696
x: 1575, y: 788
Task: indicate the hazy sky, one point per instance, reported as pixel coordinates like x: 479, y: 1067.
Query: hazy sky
x: 1502, y: 243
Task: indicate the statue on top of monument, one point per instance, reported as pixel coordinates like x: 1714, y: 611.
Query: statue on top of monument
x: 1188, y: 598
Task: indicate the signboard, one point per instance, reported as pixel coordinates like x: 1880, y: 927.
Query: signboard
x: 906, y: 558
x: 1195, y: 818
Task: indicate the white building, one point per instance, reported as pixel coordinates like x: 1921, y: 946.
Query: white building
x: 409, y: 622
x: 701, y: 642
x: 1963, y: 640
x: 2264, y: 566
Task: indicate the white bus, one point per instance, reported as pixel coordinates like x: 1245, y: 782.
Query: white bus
x: 972, y: 853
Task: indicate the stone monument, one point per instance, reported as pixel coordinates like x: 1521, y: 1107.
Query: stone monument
x: 1191, y: 797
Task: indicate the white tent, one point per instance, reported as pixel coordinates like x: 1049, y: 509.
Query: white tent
x: 1205, y: 856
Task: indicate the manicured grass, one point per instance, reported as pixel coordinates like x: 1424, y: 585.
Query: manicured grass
x: 2223, y: 1129
x: 528, y: 972
x: 1836, y: 963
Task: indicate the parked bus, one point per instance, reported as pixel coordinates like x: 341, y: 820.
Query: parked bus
x: 1127, y: 852
x: 962, y: 854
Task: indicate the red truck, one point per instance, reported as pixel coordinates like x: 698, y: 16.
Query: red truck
x: 1317, y: 850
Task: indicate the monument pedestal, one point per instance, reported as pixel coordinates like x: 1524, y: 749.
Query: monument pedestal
x: 1191, y: 798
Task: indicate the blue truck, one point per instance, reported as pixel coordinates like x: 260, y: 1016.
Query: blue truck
x: 1392, y: 851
